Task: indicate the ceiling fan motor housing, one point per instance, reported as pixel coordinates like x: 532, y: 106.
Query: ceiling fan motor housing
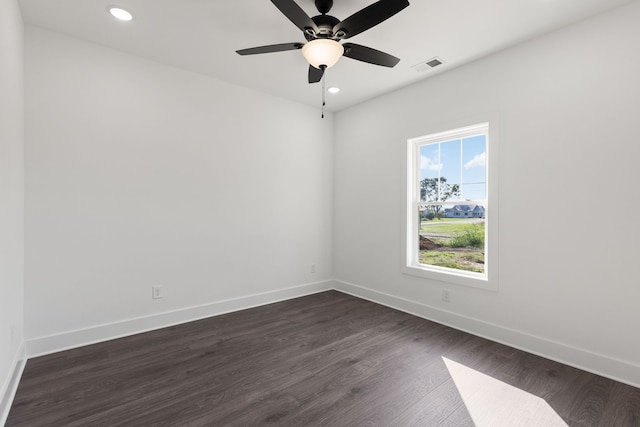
x: 325, y: 24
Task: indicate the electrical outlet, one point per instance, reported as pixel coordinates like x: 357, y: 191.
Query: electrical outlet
x: 313, y: 268
x: 446, y: 296
x: 156, y: 292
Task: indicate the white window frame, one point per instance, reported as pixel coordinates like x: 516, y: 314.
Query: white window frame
x: 410, y: 254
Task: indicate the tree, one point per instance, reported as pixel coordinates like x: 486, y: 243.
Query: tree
x: 437, y: 190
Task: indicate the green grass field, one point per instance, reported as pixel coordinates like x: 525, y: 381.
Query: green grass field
x: 445, y: 227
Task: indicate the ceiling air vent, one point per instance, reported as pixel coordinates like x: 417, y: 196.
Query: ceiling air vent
x: 428, y: 64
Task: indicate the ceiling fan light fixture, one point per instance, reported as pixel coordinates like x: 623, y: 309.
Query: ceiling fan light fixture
x: 322, y: 52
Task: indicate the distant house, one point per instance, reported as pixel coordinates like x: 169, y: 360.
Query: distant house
x: 464, y: 211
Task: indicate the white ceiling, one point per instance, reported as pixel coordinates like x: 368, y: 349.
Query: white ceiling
x: 203, y: 35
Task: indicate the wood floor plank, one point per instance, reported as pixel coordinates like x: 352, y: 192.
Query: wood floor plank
x: 327, y: 359
x: 627, y: 413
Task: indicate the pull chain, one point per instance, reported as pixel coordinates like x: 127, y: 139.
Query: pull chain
x: 324, y: 73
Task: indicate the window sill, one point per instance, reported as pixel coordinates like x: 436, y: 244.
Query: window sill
x: 474, y: 280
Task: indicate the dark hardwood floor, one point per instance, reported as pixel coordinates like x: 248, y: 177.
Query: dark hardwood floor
x: 323, y: 360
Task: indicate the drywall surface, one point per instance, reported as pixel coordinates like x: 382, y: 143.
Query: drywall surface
x: 11, y: 193
x: 139, y: 174
x: 567, y: 109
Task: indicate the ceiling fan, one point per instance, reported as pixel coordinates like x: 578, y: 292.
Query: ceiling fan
x: 324, y: 33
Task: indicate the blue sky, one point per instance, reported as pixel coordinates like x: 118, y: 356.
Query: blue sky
x: 460, y: 161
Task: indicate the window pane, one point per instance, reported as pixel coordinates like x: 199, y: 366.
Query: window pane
x: 440, y: 172
x: 474, y: 168
x: 430, y: 161
x: 450, y: 174
x: 456, y: 242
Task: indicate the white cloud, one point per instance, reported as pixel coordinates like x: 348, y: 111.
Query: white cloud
x: 428, y: 164
x: 478, y: 160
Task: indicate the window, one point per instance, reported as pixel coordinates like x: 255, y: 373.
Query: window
x: 448, y: 215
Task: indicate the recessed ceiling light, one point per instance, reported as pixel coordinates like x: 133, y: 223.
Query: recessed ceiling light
x: 333, y: 90
x: 120, y: 14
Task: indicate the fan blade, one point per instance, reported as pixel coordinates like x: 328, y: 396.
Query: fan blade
x: 315, y: 75
x: 367, y: 54
x: 270, y: 48
x: 368, y: 17
x: 291, y: 10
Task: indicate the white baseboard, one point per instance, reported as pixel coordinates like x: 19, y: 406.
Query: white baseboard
x: 72, y: 339
x: 10, y: 385
x: 599, y: 364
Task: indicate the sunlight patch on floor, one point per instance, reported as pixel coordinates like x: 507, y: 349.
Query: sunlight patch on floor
x: 493, y: 403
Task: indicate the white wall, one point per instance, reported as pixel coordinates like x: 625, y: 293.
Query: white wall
x: 568, y: 106
x: 11, y: 196
x: 140, y: 174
